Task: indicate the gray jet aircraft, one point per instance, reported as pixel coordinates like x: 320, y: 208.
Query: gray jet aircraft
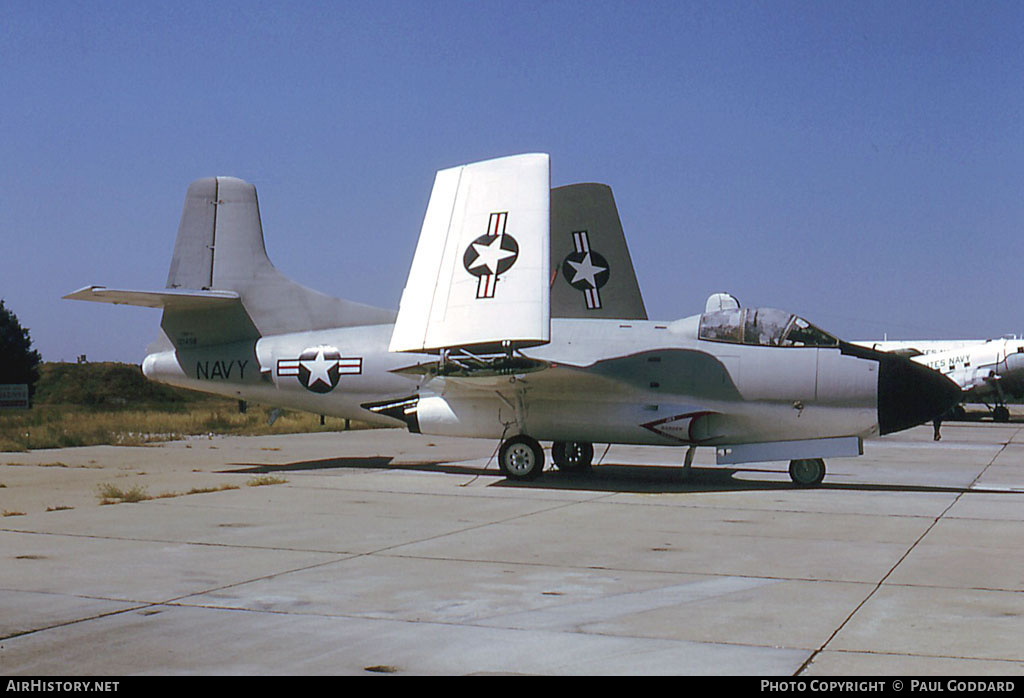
x: 987, y: 370
x: 489, y: 343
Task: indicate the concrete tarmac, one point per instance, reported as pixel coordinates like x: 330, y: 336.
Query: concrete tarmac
x: 386, y: 552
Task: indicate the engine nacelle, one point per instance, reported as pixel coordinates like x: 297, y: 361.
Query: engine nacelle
x: 480, y: 417
x: 483, y: 417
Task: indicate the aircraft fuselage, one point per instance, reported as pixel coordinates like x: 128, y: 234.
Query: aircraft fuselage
x: 639, y: 382
x: 486, y: 344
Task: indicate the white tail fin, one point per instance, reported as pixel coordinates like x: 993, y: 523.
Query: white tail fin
x: 220, y: 246
x: 222, y: 287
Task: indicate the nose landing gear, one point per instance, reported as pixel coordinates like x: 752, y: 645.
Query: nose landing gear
x: 807, y: 472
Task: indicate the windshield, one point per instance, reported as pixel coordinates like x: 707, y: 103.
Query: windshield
x: 767, y: 327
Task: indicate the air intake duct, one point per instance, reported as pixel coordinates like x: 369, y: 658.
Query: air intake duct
x: 402, y: 409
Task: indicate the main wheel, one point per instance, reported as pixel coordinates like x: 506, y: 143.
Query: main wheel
x: 807, y: 472
x: 572, y: 456
x: 521, y: 458
x: 1001, y: 414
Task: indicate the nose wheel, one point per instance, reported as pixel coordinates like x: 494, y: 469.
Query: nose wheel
x: 807, y: 472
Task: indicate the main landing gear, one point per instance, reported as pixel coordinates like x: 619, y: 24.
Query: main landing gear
x: 522, y: 458
x: 572, y: 456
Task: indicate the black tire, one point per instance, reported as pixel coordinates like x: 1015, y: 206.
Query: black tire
x: 572, y: 456
x: 1001, y: 414
x: 521, y: 458
x: 807, y: 472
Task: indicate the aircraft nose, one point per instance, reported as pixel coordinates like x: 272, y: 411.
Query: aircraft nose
x: 1015, y: 363
x: 910, y: 394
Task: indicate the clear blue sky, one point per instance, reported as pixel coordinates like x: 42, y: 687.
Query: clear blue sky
x: 859, y: 163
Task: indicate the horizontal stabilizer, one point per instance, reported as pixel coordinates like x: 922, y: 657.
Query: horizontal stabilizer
x: 176, y: 299
x: 479, y: 278
x: 192, y: 318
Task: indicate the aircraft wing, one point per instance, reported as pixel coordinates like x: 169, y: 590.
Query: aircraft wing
x: 479, y: 277
x: 667, y: 371
x: 621, y: 385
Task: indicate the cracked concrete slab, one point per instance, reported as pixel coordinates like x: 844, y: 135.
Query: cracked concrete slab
x: 387, y: 549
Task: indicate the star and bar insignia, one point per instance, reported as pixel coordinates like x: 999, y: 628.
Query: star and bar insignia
x: 491, y: 255
x: 319, y: 368
x: 586, y: 270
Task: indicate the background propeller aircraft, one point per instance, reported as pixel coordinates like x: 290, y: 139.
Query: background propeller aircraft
x: 494, y: 340
x: 987, y: 370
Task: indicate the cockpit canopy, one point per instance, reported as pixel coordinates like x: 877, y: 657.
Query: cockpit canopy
x: 766, y: 327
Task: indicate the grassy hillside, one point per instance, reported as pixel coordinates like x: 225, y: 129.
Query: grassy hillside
x: 105, y: 384
x: 113, y: 403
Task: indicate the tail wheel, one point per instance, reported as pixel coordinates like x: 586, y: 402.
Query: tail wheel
x: 572, y: 456
x: 807, y: 472
x: 521, y: 458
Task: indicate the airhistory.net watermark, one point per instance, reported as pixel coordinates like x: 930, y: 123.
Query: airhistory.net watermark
x: 44, y: 686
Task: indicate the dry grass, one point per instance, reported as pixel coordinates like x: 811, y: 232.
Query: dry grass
x: 197, y: 490
x: 109, y: 493
x: 112, y: 494
x: 262, y: 480
x: 62, y: 426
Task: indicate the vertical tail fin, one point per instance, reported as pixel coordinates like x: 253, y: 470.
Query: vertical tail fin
x: 192, y: 262
x: 220, y: 247
x: 590, y: 255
